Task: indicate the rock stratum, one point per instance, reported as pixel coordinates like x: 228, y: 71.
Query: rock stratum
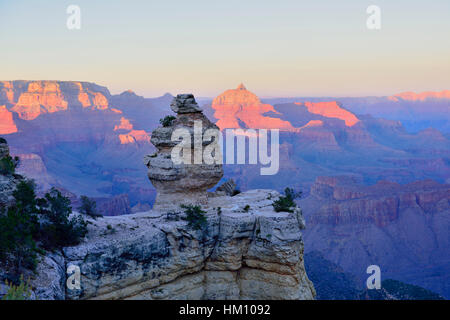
x: 153, y: 255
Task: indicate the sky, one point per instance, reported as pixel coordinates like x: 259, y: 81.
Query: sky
x: 277, y: 48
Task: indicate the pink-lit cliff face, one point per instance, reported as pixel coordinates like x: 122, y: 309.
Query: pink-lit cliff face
x: 88, y: 98
x: 31, y: 99
x: 124, y: 124
x: 134, y: 136
x: 412, y: 96
x: 7, y: 125
x: 41, y: 97
x: 240, y: 105
x: 331, y: 110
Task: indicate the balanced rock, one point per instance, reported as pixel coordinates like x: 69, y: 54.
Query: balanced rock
x: 185, y: 103
x: 184, y: 183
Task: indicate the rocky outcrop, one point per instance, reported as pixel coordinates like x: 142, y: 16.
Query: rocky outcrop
x: 238, y: 253
x: 228, y: 188
x: 184, y: 182
x: 156, y: 255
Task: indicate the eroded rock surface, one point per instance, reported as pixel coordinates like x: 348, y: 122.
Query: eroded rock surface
x: 184, y: 182
x: 154, y: 255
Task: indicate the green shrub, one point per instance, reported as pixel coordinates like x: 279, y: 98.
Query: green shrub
x: 19, y: 292
x: 8, y: 165
x: 3, y: 140
x: 35, y: 223
x: 89, y: 207
x: 25, y: 197
x: 167, y: 121
x: 59, y: 230
x: 17, y: 245
x: 246, y: 208
x: 286, y: 203
x: 195, y: 216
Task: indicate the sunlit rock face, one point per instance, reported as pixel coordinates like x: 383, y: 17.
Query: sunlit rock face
x: 41, y: 97
x: 412, y: 96
x: 182, y: 183
x: 7, y: 125
x: 134, y: 136
x: 129, y: 135
x: 124, y: 124
x: 331, y: 110
x: 30, y: 99
x: 238, y: 108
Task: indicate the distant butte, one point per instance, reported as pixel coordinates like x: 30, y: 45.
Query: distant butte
x: 239, y: 106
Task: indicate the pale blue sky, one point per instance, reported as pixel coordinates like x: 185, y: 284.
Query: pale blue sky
x: 277, y: 48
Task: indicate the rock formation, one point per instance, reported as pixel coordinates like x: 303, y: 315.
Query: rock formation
x: 237, y: 108
x: 185, y: 182
x: 154, y: 255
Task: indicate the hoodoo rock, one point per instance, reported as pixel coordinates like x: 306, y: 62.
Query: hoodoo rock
x: 185, y: 103
x: 185, y: 182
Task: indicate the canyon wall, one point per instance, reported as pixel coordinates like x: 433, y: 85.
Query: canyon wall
x: 401, y: 228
